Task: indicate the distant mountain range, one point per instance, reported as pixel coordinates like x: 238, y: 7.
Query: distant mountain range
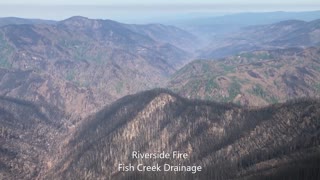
x: 14, y: 20
x: 209, y: 27
x: 291, y: 33
x: 249, y: 18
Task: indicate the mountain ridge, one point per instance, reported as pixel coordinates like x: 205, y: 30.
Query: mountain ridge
x: 130, y: 119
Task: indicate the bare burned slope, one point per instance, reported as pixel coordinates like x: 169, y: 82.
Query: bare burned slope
x: 45, y: 89
x: 227, y: 140
x: 29, y: 136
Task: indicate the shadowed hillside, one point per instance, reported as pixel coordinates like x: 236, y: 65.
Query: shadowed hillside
x: 229, y: 142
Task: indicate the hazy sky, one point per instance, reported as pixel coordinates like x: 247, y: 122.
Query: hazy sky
x: 142, y: 10
x: 149, y: 2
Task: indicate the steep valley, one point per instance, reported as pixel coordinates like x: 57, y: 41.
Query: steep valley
x: 85, y: 64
